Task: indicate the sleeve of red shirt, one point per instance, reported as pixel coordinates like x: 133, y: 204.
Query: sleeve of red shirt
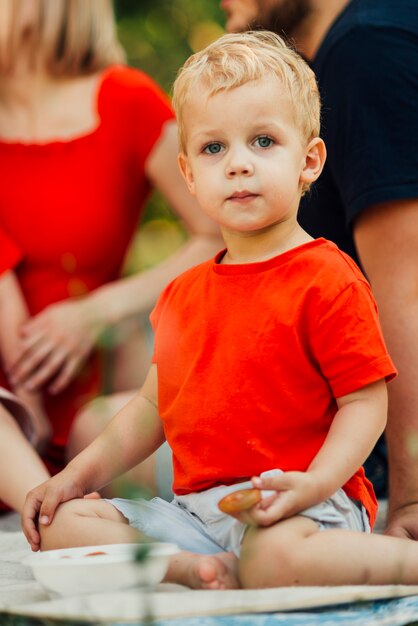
x: 348, y: 344
x: 144, y: 104
x: 10, y: 253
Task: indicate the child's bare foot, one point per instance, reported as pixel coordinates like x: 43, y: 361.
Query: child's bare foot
x: 202, y: 571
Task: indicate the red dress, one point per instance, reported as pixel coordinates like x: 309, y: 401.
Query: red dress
x: 69, y: 209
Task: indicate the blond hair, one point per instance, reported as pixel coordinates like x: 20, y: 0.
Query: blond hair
x: 238, y: 58
x: 69, y: 37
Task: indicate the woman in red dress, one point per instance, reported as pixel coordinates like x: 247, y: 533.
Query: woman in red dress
x: 83, y: 139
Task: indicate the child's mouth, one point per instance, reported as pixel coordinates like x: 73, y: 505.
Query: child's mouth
x: 243, y: 196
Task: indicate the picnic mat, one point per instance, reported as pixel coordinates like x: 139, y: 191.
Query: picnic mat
x: 23, y: 601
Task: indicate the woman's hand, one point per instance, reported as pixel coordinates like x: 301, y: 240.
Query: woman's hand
x: 55, y: 343
x: 295, y: 492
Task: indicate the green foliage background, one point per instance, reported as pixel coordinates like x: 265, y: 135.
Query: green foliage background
x: 158, y: 36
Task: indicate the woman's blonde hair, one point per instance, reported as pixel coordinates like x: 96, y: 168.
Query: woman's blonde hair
x: 71, y: 36
x: 236, y: 59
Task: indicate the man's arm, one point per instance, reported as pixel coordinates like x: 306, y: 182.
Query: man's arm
x: 387, y: 241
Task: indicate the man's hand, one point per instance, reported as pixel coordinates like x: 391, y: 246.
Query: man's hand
x: 403, y: 522
x: 295, y: 491
x: 42, y: 502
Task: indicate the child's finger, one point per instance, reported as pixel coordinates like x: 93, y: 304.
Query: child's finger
x: 48, y: 508
x: 271, y: 515
x: 259, y: 517
x: 279, y: 482
x: 282, y: 506
x: 29, y: 527
x: 276, y: 483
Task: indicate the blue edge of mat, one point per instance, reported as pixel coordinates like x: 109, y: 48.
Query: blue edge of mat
x: 397, y: 612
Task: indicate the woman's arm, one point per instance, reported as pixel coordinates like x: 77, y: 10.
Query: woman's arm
x: 13, y: 313
x: 57, y: 340
x: 169, y: 181
x: 117, y: 301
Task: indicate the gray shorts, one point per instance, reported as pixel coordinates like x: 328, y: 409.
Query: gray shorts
x: 195, y: 523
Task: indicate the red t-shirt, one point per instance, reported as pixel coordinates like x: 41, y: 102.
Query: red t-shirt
x: 69, y: 209
x: 251, y: 358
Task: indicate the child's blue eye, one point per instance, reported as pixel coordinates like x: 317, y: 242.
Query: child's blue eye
x: 212, y: 148
x: 264, y: 141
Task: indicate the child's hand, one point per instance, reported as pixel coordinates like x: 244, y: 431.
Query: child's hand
x: 295, y: 491
x: 42, y: 502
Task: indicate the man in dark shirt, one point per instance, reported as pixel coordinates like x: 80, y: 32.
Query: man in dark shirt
x: 365, y: 56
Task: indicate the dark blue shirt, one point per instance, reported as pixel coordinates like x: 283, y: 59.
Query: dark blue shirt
x: 367, y: 69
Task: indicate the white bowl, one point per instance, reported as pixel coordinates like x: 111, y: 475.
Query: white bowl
x: 74, y: 571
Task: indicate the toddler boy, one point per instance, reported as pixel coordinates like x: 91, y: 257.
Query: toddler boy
x: 268, y: 356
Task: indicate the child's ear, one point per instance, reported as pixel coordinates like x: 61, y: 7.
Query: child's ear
x: 316, y: 154
x: 186, y: 171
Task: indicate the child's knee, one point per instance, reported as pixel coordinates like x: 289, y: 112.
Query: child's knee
x: 264, y: 565
x: 54, y: 535
x: 272, y: 559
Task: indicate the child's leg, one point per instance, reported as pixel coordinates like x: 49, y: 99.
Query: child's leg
x: 97, y: 522
x: 21, y: 468
x: 84, y: 522
x: 296, y: 552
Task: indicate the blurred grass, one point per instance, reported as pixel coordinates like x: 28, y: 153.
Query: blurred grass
x: 158, y: 36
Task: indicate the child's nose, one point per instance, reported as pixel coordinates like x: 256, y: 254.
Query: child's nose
x: 239, y: 164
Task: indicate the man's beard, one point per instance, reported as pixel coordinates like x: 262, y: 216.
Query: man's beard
x: 284, y: 18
